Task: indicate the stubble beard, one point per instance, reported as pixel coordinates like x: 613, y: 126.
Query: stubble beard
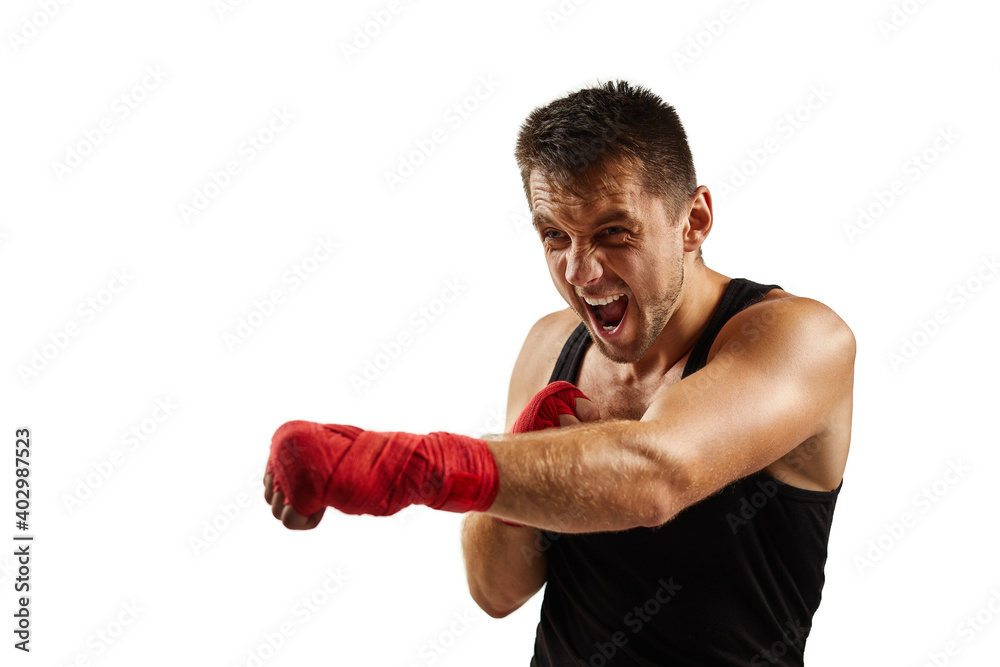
x: 655, y: 318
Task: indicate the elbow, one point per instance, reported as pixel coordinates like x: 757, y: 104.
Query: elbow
x: 666, y: 476
x: 494, y: 612
x: 661, y: 513
x: 671, y: 493
x: 494, y: 608
x: 499, y: 600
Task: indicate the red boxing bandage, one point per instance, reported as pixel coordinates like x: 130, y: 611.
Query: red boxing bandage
x: 543, y: 410
x: 370, y: 472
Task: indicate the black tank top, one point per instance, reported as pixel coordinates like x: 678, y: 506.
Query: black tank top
x: 732, y: 580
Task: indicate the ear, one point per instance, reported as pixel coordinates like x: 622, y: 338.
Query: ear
x: 699, y: 219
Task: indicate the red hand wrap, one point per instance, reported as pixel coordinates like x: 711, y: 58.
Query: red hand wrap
x: 543, y: 410
x: 379, y: 473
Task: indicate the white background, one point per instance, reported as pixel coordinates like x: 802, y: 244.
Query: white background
x: 458, y: 217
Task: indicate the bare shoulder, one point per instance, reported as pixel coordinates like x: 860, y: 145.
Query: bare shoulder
x: 790, y: 323
x: 537, y: 358
x: 805, y: 343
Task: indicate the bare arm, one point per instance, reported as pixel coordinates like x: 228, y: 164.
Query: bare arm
x: 506, y: 565
x: 756, y: 399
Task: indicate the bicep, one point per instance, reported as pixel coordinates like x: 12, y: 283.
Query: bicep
x: 532, y: 368
x: 763, y: 393
x: 516, y: 398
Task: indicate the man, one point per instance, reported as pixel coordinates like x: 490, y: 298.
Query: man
x: 681, y: 517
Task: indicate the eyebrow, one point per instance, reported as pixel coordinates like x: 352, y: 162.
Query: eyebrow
x: 539, y: 219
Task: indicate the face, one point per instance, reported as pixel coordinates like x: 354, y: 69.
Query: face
x: 612, y: 243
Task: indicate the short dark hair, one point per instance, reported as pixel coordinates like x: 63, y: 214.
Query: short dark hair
x: 579, y: 139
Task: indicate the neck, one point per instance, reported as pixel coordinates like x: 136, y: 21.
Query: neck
x: 699, y: 298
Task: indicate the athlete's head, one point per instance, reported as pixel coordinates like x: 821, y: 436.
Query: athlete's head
x: 609, y: 178
x: 577, y: 141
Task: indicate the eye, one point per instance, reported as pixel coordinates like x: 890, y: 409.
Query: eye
x: 614, y: 231
x: 545, y: 234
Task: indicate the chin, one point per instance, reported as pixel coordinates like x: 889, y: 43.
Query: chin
x: 614, y: 350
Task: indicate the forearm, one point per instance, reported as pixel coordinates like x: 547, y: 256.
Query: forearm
x: 589, y: 477
x: 504, y: 565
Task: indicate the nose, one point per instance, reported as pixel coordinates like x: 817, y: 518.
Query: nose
x: 582, y: 267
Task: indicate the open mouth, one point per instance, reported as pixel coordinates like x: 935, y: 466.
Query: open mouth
x: 608, y: 312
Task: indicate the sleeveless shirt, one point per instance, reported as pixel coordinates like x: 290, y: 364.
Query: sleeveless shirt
x: 732, y: 580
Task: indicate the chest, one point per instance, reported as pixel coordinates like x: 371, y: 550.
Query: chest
x: 620, y: 398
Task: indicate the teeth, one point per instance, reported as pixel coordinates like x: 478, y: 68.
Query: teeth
x: 607, y: 328
x: 601, y: 302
